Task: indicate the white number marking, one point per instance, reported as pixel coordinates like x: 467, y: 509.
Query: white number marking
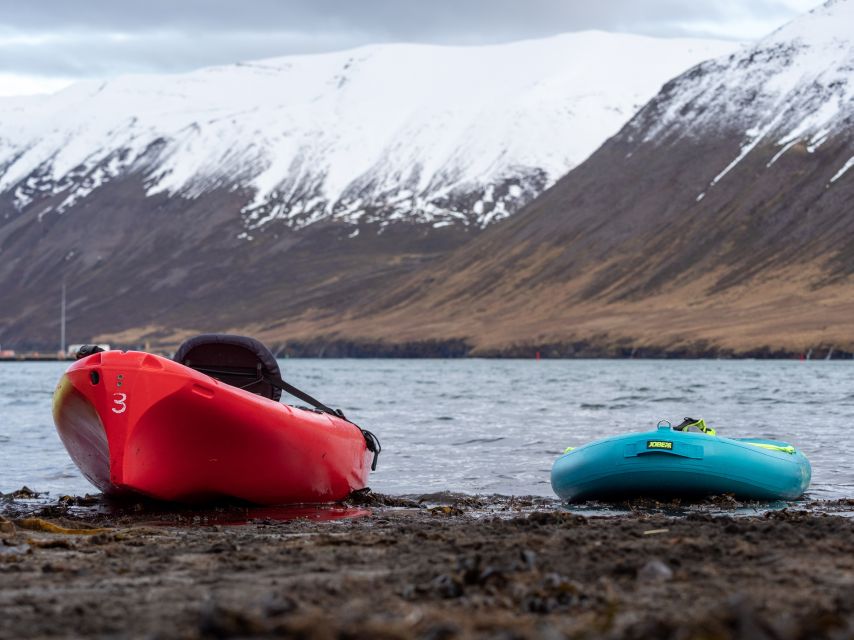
x: 120, y: 399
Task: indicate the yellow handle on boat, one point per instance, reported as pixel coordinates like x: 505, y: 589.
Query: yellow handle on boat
x: 773, y: 447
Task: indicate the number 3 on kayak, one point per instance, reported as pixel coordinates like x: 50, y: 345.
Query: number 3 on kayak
x: 121, y: 401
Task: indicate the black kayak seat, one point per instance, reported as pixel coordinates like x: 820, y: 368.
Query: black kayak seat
x: 239, y: 361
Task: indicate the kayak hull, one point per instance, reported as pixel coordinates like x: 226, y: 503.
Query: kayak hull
x: 134, y: 422
x: 665, y: 463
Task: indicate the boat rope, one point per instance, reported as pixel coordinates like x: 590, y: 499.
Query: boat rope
x: 704, y: 428
x: 774, y: 447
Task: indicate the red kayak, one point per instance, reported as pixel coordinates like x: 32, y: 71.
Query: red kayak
x: 209, y: 428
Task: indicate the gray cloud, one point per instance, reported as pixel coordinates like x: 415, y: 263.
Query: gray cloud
x: 101, y: 37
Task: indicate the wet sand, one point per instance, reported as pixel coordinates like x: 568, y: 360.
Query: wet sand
x: 442, y: 566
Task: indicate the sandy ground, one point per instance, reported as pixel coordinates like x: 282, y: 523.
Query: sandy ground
x: 439, y: 567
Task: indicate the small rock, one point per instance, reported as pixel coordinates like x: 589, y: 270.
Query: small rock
x: 53, y: 567
x: 539, y: 604
x: 654, y: 571
x: 745, y: 621
x: 492, y: 574
x: 529, y: 559
x: 102, y: 538
x: 24, y: 493
x: 442, y: 631
x: 557, y: 583
x: 78, y: 501
x: 409, y: 592
x: 277, y: 605
x: 222, y: 622
x: 18, y: 550
x: 223, y: 546
x: 469, y: 566
x: 447, y: 586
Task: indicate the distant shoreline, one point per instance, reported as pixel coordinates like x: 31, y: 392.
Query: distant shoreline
x: 580, y: 349
x: 459, y: 349
x: 31, y: 357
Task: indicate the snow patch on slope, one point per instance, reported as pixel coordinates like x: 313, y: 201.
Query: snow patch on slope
x: 845, y: 167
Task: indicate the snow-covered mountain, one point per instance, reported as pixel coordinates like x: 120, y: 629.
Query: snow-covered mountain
x: 381, y: 133
x: 719, y: 219
x: 796, y: 86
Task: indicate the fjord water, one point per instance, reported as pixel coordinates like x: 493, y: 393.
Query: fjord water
x: 496, y: 426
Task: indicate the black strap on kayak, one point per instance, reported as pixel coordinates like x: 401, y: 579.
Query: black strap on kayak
x: 371, y: 441
x: 277, y: 381
x: 373, y: 444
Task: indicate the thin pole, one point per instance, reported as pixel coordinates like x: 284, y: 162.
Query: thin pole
x: 62, y: 323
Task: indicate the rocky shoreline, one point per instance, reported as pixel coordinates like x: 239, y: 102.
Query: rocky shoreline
x: 461, y: 348
x: 433, y: 567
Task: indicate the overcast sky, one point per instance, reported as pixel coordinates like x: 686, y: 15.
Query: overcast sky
x: 47, y: 44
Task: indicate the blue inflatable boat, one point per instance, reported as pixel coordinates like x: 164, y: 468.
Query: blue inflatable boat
x: 674, y: 462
